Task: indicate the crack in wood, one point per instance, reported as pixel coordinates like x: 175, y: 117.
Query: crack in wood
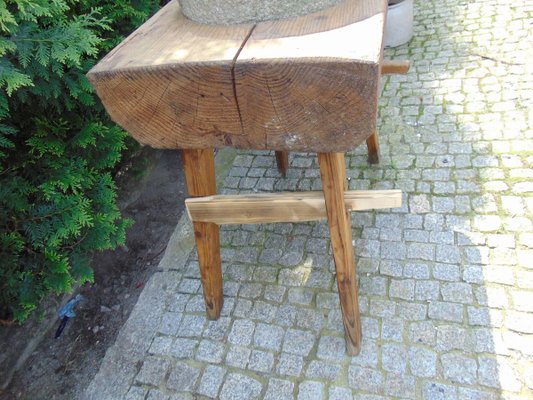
x: 158, y: 102
x: 275, y: 110
x: 233, y: 81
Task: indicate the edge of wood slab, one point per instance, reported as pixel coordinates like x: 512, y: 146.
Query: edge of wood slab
x: 282, y: 207
x: 174, y: 83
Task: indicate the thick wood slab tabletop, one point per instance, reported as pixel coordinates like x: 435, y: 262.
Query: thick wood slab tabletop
x: 303, y: 84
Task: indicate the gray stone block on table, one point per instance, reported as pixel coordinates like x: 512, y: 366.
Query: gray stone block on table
x: 228, y: 12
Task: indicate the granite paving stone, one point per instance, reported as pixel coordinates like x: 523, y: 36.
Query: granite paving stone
x: 475, y: 394
x: 298, y: 342
x: 446, y: 311
x: 421, y: 251
x: 241, y: 332
x: 153, y: 371
x: 155, y: 394
x: 447, y: 272
x: 289, y: 365
x: 459, y: 369
x: 311, y: 390
x: 422, y: 362
x: 183, y: 377
x: 457, y: 292
x: 183, y: 348
x: 238, y: 357
x: 438, y: 391
x: 370, y: 327
x: 412, y: 311
x: 323, y: 370
x: 210, y: 351
x: 268, y: 336
x: 382, y: 308
x: 279, y: 389
x: 243, y: 308
x: 300, y: 296
x: 331, y: 348
x: 427, y: 290
x: 394, y: 358
x: 217, y: 330
x: 251, y: 290
x: 365, y: 379
x: 368, y: 357
x: 261, y: 361
x: 400, y: 385
x: 136, y: 393
x: 170, y: 323
x: 327, y: 300
x: 392, y: 329
x: 310, y: 319
x: 240, y: 387
x: 195, y: 304
x: 211, y: 381
x: 422, y: 333
x: 161, y: 345
x: 191, y: 325
x: 402, y: 289
x: 274, y: 293
x: 375, y: 286
x: 339, y: 393
x: 416, y: 270
x: 451, y: 337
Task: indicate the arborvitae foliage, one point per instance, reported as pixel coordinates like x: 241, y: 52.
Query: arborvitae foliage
x: 57, y: 147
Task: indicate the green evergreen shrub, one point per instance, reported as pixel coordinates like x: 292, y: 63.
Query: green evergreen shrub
x: 58, y: 149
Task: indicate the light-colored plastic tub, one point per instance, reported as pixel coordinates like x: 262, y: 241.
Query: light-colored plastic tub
x: 399, y: 27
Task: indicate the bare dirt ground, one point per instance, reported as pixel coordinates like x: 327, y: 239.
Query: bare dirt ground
x: 151, y: 193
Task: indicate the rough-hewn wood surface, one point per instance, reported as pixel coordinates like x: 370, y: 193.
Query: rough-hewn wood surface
x: 395, y: 67
x: 199, y: 167
x: 282, y: 161
x: 372, y: 144
x: 340, y: 229
x: 283, y: 207
x: 304, y: 84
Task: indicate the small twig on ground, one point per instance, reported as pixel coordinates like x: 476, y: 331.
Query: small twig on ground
x: 68, y: 362
x: 496, y: 59
x: 6, y: 322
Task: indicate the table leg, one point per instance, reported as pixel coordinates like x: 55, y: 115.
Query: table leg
x: 332, y: 171
x: 199, y: 166
x: 343, y: 177
x: 372, y: 143
x: 282, y: 160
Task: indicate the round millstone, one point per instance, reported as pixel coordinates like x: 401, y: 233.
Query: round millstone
x: 231, y: 12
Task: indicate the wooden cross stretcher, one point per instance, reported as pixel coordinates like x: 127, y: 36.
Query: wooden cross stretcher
x: 306, y: 84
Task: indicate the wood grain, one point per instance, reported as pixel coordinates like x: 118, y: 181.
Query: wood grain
x: 170, y: 83
x: 372, y: 143
x: 283, y: 207
x: 395, y: 67
x: 307, y: 84
x: 282, y: 161
x: 311, y: 84
x: 339, y: 221
x: 199, y: 166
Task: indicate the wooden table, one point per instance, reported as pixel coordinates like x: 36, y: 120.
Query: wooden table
x: 306, y: 84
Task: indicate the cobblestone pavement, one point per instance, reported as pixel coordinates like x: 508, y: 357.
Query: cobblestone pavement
x: 446, y: 282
